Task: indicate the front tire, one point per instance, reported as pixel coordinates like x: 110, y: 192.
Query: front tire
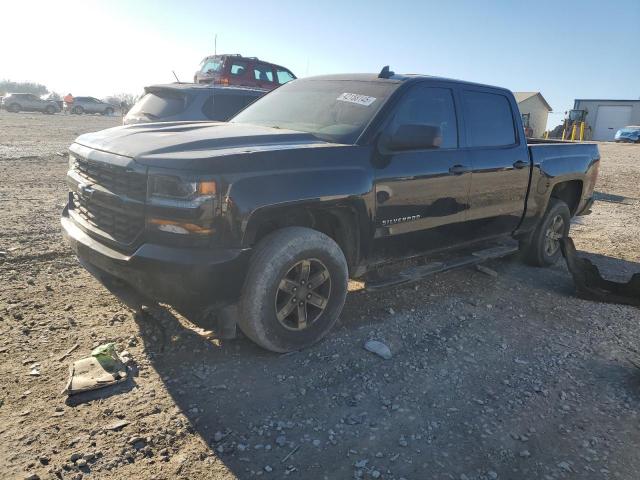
x: 542, y: 248
x: 50, y: 110
x: 14, y: 108
x: 295, y: 289
x: 77, y: 110
x: 108, y: 111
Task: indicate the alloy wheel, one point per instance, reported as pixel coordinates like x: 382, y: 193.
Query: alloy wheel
x: 554, y: 233
x: 303, y: 294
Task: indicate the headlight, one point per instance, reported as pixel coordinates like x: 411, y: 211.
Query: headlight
x: 180, y: 205
x: 179, y: 192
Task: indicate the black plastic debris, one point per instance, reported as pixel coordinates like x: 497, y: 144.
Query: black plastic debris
x: 591, y: 286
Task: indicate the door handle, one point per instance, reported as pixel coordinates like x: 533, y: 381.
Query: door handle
x: 520, y: 164
x: 459, y: 169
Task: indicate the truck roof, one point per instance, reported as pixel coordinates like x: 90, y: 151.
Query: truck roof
x: 398, y: 78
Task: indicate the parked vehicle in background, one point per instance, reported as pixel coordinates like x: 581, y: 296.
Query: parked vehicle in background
x: 630, y: 134
x: 242, y: 71
x: 28, y: 102
x: 321, y: 180
x: 177, y: 102
x: 91, y: 105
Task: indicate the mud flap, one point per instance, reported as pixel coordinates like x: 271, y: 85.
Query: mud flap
x: 591, y: 286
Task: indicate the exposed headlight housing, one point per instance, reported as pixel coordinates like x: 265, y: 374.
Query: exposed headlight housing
x: 180, y: 205
x: 177, y: 191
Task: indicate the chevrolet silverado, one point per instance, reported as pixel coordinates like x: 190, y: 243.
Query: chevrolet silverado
x: 322, y: 180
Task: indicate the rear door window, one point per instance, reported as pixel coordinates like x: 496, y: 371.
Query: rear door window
x: 488, y: 119
x: 263, y: 73
x: 156, y: 105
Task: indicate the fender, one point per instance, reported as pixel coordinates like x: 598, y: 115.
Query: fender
x: 293, y: 193
x: 554, y: 164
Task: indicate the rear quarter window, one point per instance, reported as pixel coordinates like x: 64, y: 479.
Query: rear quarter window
x: 222, y: 107
x: 488, y: 119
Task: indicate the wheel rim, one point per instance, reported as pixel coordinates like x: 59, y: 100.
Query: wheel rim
x: 303, y: 294
x: 553, y: 235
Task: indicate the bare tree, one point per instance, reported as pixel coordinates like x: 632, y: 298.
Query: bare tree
x: 7, y: 86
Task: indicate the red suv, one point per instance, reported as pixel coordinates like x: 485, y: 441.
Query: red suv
x: 244, y: 71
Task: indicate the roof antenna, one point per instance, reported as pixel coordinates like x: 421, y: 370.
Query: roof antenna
x: 174, y: 74
x: 386, y: 73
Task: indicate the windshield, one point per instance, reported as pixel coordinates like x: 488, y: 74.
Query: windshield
x: 334, y: 110
x: 211, y: 65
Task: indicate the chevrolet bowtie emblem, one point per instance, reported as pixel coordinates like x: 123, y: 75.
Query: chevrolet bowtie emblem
x: 86, y: 190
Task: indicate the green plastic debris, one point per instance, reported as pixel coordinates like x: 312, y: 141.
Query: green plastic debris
x: 107, y: 356
x: 104, y: 367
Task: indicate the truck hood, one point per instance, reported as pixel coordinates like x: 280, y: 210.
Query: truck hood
x: 154, y: 144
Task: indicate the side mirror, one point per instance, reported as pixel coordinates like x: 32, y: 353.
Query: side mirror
x: 413, y: 137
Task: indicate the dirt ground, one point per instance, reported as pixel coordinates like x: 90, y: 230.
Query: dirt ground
x: 510, y: 377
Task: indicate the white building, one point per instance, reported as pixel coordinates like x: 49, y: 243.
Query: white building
x: 533, y: 105
x: 606, y: 117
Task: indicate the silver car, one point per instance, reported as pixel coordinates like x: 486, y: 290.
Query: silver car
x: 28, y: 102
x: 91, y: 105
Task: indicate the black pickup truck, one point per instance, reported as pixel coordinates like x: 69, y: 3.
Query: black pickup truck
x: 319, y: 181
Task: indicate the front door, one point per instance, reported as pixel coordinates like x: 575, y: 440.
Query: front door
x: 422, y: 195
x: 32, y: 103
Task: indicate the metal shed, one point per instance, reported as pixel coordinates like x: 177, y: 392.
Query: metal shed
x: 606, y: 117
x: 533, y: 105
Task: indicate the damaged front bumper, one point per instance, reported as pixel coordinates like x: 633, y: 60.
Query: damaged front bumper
x: 182, y: 277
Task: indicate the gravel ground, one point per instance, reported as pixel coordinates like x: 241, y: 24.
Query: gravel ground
x: 509, y: 377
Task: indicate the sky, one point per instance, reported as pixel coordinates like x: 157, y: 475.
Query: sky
x: 565, y: 50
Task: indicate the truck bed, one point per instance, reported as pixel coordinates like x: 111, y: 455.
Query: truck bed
x: 560, y: 162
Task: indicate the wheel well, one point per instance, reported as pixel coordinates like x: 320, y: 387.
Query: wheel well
x: 340, y: 224
x: 570, y: 193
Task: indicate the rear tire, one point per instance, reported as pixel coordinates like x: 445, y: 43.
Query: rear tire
x: 108, y: 111
x: 295, y: 289
x: 542, y: 248
x: 14, y: 108
x: 50, y: 110
x: 77, y: 110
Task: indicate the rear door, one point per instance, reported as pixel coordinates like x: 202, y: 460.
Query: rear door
x: 92, y: 105
x: 422, y: 195
x: 499, y: 159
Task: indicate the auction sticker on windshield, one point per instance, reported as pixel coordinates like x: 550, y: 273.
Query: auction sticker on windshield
x: 356, y: 98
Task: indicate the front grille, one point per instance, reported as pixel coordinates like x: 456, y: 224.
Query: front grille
x: 116, y: 179
x: 120, y: 222
x: 108, y: 199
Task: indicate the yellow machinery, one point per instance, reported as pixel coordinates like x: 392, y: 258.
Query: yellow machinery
x: 575, y: 125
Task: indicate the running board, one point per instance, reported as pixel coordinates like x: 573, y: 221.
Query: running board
x: 417, y: 273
